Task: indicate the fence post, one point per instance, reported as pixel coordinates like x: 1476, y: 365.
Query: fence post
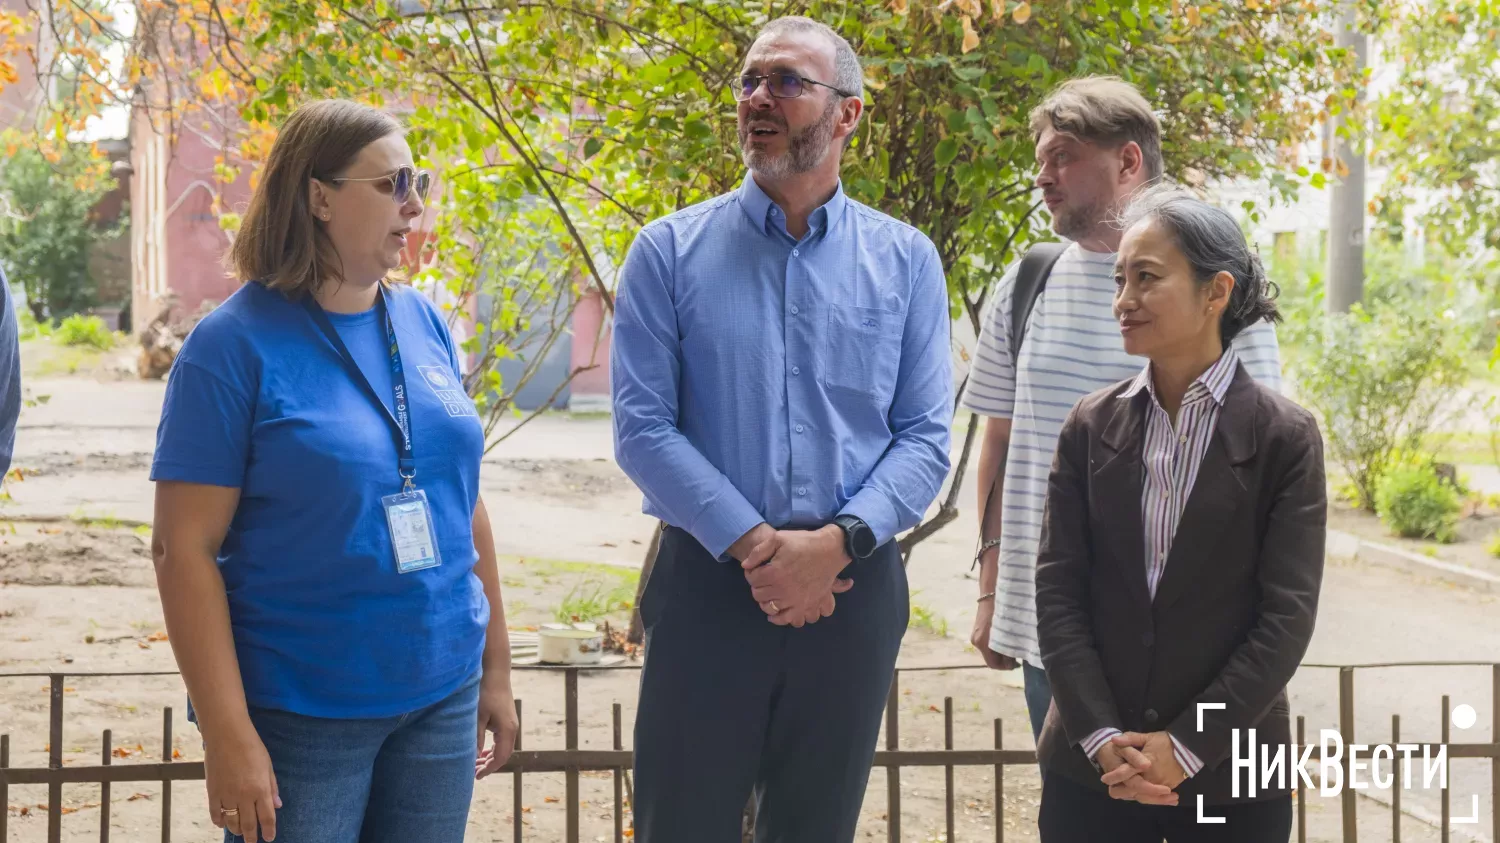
x: 948, y: 769
x: 1346, y: 728
x: 1000, y: 786
x: 1495, y: 758
x: 104, y: 790
x: 515, y: 777
x: 4, y: 788
x: 571, y: 727
x: 1396, y: 790
x: 1301, y: 791
x: 54, y: 760
x: 619, y: 782
x: 166, y: 783
x: 893, y: 772
x: 1446, y: 796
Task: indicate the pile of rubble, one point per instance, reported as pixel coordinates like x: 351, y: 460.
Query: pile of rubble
x: 162, y: 339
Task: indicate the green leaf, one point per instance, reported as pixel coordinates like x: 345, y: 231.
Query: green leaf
x: 591, y: 147
x: 947, y: 150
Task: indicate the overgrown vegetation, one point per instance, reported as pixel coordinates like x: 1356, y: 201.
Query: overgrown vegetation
x: 47, y: 230
x: 1416, y: 503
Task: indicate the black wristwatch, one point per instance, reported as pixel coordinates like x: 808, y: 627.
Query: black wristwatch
x: 859, y: 539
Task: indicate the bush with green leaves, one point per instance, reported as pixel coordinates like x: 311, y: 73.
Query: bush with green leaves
x: 1416, y: 503
x: 1380, y: 380
x: 85, y: 330
x: 47, y: 233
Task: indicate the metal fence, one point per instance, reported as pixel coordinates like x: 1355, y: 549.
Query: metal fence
x: 572, y: 761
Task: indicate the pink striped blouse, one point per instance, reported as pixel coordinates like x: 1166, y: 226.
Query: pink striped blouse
x: 1172, y: 458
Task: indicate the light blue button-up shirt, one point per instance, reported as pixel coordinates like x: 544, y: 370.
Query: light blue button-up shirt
x: 759, y: 377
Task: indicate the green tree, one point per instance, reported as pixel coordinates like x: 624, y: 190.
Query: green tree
x: 1435, y: 127
x: 561, y: 126
x: 47, y: 230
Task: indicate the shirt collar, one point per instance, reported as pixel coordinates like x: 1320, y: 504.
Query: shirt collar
x: 1214, y: 382
x: 760, y: 209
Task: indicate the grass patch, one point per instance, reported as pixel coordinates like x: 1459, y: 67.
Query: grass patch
x: 923, y: 617
x: 593, y: 601
x: 44, y: 357
x: 516, y: 566
x: 1467, y: 448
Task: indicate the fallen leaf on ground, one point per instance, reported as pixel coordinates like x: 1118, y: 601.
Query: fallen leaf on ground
x: 551, y: 799
x: 157, y: 636
x: 138, y: 797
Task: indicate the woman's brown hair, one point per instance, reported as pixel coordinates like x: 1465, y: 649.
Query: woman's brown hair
x: 280, y: 242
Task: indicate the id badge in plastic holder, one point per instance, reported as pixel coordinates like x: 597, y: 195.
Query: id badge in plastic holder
x: 410, y: 521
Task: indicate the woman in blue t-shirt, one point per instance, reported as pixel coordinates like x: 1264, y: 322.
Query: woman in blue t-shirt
x: 325, y: 562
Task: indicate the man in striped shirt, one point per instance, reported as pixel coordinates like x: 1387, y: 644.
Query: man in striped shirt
x: 1097, y: 143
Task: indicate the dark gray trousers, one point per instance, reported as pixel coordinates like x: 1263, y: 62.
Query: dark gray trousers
x: 732, y: 704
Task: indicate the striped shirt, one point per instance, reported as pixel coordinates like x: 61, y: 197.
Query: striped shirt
x: 1172, y: 458
x: 1072, y: 348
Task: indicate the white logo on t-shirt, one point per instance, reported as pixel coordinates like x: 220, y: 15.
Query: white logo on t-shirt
x: 441, y: 384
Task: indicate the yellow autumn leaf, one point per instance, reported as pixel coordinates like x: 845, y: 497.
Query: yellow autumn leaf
x: 1193, y: 17
x: 972, y: 8
x: 1341, y: 168
x: 8, y: 75
x: 1022, y: 13
x: 898, y: 6
x: 971, y: 38
x: 1252, y: 5
x: 997, y: 10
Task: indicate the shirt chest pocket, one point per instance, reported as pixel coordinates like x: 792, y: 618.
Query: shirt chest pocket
x: 862, y: 350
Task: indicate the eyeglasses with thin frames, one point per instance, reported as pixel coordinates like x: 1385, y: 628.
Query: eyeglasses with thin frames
x: 783, y: 86
x: 400, y: 183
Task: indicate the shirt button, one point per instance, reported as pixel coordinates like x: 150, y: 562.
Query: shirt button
x: 799, y: 428
x: 796, y: 371
x: 1182, y: 439
x: 794, y: 310
x: 795, y: 253
x: 801, y: 491
x: 1151, y: 715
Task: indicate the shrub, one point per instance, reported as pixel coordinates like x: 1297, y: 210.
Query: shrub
x: 1494, y: 546
x: 1415, y: 503
x: 1380, y: 379
x: 85, y: 330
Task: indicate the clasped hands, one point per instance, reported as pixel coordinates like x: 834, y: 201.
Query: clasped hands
x: 1141, y: 768
x: 794, y: 574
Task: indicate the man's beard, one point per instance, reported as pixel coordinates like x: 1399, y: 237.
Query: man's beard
x: 1077, y: 223
x: 805, y: 151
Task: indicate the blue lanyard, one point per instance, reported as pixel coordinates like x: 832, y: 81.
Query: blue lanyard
x: 400, y: 422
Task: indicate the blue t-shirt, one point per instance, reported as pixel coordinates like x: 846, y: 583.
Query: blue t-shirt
x: 260, y: 400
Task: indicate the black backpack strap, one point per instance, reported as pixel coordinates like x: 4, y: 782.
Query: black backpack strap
x: 1031, y: 279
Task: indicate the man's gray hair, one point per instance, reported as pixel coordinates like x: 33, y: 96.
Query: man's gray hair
x: 848, y: 76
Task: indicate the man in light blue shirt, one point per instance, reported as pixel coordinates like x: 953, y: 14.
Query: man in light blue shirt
x: 782, y: 396
x: 10, y: 374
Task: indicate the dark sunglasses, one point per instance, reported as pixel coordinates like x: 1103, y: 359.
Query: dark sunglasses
x: 783, y: 86
x: 399, y: 184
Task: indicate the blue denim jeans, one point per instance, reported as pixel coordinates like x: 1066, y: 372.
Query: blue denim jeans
x: 388, y: 780
x: 1038, y: 697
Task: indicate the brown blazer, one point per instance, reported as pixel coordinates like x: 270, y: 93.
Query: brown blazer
x: 1234, y: 610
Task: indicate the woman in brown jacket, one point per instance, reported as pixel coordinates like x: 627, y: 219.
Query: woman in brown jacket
x: 1181, y: 555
